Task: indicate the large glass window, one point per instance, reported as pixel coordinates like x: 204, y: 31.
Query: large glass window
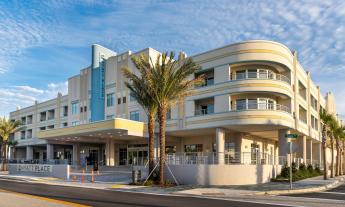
x: 241, y: 74
x: 252, y: 103
x: 75, y: 107
x: 193, y: 148
x: 240, y: 104
x: 134, y: 115
x: 110, y: 99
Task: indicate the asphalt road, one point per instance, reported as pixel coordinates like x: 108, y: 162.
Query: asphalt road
x: 333, y: 194
x: 104, y: 198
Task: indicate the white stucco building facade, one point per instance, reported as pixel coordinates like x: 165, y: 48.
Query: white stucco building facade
x: 230, y: 131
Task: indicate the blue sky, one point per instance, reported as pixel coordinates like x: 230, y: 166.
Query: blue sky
x: 45, y: 42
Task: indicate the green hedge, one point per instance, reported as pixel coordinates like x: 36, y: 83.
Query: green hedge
x: 301, y: 173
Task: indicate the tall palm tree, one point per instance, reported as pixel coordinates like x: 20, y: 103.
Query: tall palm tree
x: 171, y: 81
x: 326, y: 119
x: 7, y: 127
x: 339, y: 132
x: 333, y: 125
x: 141, y: 91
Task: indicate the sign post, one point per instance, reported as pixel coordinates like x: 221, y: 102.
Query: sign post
x: 290, y: 139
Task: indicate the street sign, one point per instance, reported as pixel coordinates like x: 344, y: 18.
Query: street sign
x: 294, y: 136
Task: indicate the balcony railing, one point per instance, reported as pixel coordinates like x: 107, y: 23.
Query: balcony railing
x: 202, y: 112
x: 261, y: 75
x: 260, y: 106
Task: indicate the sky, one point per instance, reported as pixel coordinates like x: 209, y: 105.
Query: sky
x: 42, y: 43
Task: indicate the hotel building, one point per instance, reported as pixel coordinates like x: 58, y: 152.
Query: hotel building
x: 231, y: 130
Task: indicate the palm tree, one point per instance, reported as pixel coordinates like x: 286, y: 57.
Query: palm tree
x: 325, y: 118
x: 333, y: 125
x: 339, y: 133
x: 7, y: 127
x: 170, y: 81
x: 141, y: 91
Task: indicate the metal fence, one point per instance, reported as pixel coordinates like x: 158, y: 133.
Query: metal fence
x: 50, y: 161
x: 250, y: 158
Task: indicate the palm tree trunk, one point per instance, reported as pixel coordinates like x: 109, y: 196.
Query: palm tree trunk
x: 151, y: 131
x: 337, y: 158
x: 343, y: 163
x: 3, y: 153
x: 324, y: 156
x: 332, y: 155
x: 162, y: 124
x: 6, y: 157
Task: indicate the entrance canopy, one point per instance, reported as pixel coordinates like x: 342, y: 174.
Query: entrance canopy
x: 119, y: 129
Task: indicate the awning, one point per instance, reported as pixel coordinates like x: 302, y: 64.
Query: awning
x: 122, y: 129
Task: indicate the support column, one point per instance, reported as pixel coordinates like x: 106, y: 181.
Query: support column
x: 50, y: 152
x: 110, y: 152
x: 317, y: 154
x: 76, y: 154
x: 283, y: 145
x: 29, y: 152
x: 220, y: 142
x: 310, y: 151
x: 304, y: 149
x: 107, y: 153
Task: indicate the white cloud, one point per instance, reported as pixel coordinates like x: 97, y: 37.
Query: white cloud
x: 23, y: 96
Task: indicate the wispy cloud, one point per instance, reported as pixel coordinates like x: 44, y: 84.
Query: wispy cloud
x: 314, y: 28
x: 21, y: 96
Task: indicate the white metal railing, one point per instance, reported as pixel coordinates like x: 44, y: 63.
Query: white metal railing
x: 267, y: 75
x: 249, y: 158
x: 40, y: 161
x: 260, y: 106
x: 201, y: 112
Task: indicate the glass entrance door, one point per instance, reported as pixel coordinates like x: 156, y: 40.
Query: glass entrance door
x: 137, y: 155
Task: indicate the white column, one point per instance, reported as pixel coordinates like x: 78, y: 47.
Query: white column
x: 112, y: 153
x: 107, y: 158
x: 50, y: 151
x: 29, y: 152
x: 76, y: 154
x: 220, y: 142
x: 283, y: 145
x: 304, y: 149
x: 310, y: 151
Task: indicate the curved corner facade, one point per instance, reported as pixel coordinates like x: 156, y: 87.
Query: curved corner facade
x: 255, y: 93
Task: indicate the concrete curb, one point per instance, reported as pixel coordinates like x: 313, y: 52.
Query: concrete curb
x: 335, y: 184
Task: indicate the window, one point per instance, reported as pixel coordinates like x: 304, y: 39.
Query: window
x: 22, y: 135
x: 75, y: 107
x: 252, y: 103
x: 85, y: 108
x: 110, y: 116
x: 119, y: 101
x: 192, y: 148
x: 241, y: 104
x: 313, y: 102
x: 241, y: 74
x: 75, y: 123
x: 131, y: 97
x: 110, y: 99
x: 50, y: 127
x: 123, y: 99
x: 65, y: 124
x: 252, y: 73
x: 81, y: 109
x: 170, y: 149
x: 29, y: 134
x: 134, y: 115
x: 65, y: 111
